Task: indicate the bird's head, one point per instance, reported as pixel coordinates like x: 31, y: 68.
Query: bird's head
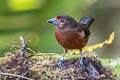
x: 63, y: 21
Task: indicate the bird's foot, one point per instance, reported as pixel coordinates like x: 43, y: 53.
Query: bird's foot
x: 81, y: 65
x: 60, y: 63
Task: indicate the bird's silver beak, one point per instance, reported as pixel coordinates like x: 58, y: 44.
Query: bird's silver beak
x: 53, y: 21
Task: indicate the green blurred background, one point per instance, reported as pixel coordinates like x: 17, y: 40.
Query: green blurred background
x: 28, y: 18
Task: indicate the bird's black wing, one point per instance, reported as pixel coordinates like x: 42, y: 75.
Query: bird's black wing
x: 87, y: 32
x: 86, y: 22
x: 82, y: 27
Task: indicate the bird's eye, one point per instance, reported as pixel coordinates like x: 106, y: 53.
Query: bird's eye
x: 62, y: 20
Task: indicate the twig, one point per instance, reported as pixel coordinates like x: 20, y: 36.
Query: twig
x: 12, y: 45
x: 31, y: 50
x: 8, y: 74
x: 23, y: 45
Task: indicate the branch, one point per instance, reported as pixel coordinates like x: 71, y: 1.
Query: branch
x: 8, y: 74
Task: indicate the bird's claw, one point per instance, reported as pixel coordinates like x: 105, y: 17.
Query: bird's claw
x: 81, y: 65
x: 60, y: 63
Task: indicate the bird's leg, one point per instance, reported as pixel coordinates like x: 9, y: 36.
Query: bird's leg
x: 81, y: 65
x: 60, y: 63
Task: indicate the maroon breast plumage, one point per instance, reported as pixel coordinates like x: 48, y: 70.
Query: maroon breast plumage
x: 71, y: 39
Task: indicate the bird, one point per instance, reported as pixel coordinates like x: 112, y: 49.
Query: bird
x: 71, y: 34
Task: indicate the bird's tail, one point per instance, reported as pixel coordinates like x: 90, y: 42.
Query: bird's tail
x: 87, y: 20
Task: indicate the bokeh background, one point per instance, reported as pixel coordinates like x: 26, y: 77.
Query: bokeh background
x: 28, y: 18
